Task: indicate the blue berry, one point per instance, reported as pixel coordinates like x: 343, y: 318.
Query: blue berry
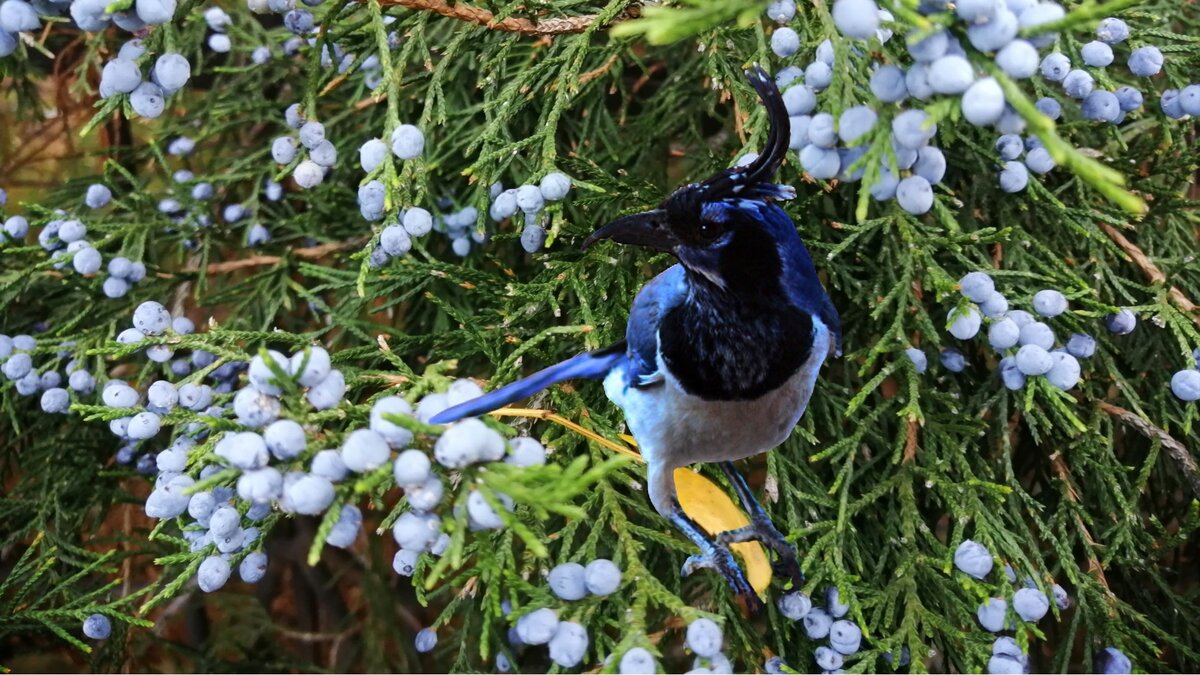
x: 884, y: 188
x: 538, y: 626
x: 780, y: 11
x: 1102, y: 106
x: 396, y: 436
x: 704, y: 637
x: 1078, y: 84
x: 953, y: 360
x: 916, y: 81
x: 555, y: 186
x: 1129, y: 99
x: 845, y: 637
x: 799, y: 99
x: 285, y: 439
x: 261, y: 375
x: 1097, y: 54
x: 1112, y: 31
x: 1145, y: 61
x: 425, y: 640
x: 1037, y: 333
x: 1030, y: 604
x: 283, y: 149
x: 345, y: 531
x: 821, y: 130
x: 147, y: 100
x: 602, y: 577
x: 213, y: 573
x: 1081, y: 345
x: 1018, y: 59
x: 974, y: 11
x: 324, y: 154
x: 1032, y: 359
x: 637, y: 661
x: 309, y: 495
x: 915, y: 195
x: 151, y: 318
x: 887, y: 84
x: 245, y: 450
x: 411, y: 468
x: 97, y: 627
x: 1055, y: 66
x: 818, y: 75
x: 328, y: 392
x: 995, y: 34
x: 310, y: 366
x: 1189, y: 101
x: 371, y: 154
x: 260, y: 486
x: 919, y: 360
x: 1010, y: 375
x: 794, y: 605
x: 55, y: 400
x: 253, y: 567
x: 1049, y: 303
x: 817, y: 624
x: 171, y: 72
x: 1049, y: 107
x: 1009, y: 146
x: 928, y: 48
x: 371, y: 200
x: 119, y: 76
x: 1039, y: 160
x: 1169, y: 103
x: 195, y: 397
x: 328, y: 464
x: 1121, y: 323
x: 912, y: 129
x: 308, y: 174
x: 992, y: 615
x: 116, y: 394
x: 856, y: 19
x: 1185, y: 384
x: 996, y: 305
x: 1111, y: 661
x: 1014, y: 177
x: 407, y: 142
x: 161, y: 397
x: 855, y: 122
x: 827, y: 659
x: 98, y: 196
x: 1042, y: 14
x: 785, y: 42
x: 365, y: 450
x: 567, y: 581
x: 951, y: 74
x: 930, y: 164
x: 525, y: 451
x: 1002, y: 664
x: 973, y: 559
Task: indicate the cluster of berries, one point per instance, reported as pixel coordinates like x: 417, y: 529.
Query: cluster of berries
x: 18, y: 16
x: 322, y: 155
x: 17, y: 365
x: 529, y: 200
x: 1015, y: 329
x: 844, y: 636
x: 1028, y: 602
x: 123, y: 75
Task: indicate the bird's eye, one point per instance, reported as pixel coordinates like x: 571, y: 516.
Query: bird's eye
x: 709, y: 230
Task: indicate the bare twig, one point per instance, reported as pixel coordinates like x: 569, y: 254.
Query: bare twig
x: 311, y: 253
x: 1094, y: 567
x: 512, y: 24
x: 1152, y: 272
x: 1176, y: 450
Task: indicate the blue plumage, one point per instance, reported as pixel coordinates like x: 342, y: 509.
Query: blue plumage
x: 722, y: 351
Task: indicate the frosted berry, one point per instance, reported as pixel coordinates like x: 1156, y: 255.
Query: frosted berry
x: 395, y: 435
x: 973, y: 559
x: 537, y: 627
x: 992, y: 615
x: 856, y: 19
x: 365, y: 450
x: 602, y: 577
x: 637, y: 661
x: 1145, y: 61
x: 1030, y: 604
x: 1185, y: 384
x: 407, y: 142
x: 1039, y: 160
x: 1097, y: 54
x: 328, y: 392
x: 567, y: 581
x: 828, y: 659
x: 213, y: 573
x: 704, y: 637
x: 817, y: 624
x: 845, y: 637
x: 526, y: 451
x: 1121, y: 323
x: 97, y: 627
x: 1064, y: 374
x: 919, y: 360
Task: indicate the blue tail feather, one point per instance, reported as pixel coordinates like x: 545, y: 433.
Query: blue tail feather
x: 589, y: 365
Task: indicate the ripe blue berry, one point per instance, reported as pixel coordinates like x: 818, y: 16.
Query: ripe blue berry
x: 856, y: 19
x: 1112, y: 30
x: 538, y: 626
x: 1185, y: 384
x: 887, y: 84
x: 425, y: 640
x: 976, y: 286
x: 395, y: 435
x: 1039, y: 160
x: 780, y: 11
x: 794, y: 605
x: 285, y: 439
x: 915, y: 195
x: 371, y: 200
x: 567, y: 581
x: 927, y: 48
x: 1018, y: 59
x: 1049, y: 107
x: 151, y: 318
x: 1010, y: 375
x: 704, y: 637
x: 55, y: 400
x: 328, y: 464
x: 820, y: 163
x: 309, y: 495
x: 817, y: 623
x: 951, y: 74
x: 827, y: 659
x: 912, y: 129
x: 1030, y: 604
x: 818, y: 75
x: 345, y: 531
x: 1189, y: 100
x: 602, y: 577
x: 253, y: 567
x: 260, y: 486
x: 973, y: 11
x: 1121, y: 323
x: 953, y: 360
x: 365, y: 450
x: 411, y: 468
x: 992, y: 615
x: 245, y: 450
x: 994, y: 34
x: 855, y: 122
x: 1009, y: 147
x: 845, y: 637
x: 799, y: 99
x: 308, y: 174
x: 97, y: 627
x: 1097, y: 54
x: 785, y: 42
x: 1055, y: 66
x: 1042, y: 14
x: 973, y: 559
x: 1049, y: 303
x: 147, y: 100
x: 407, y: 142
x: 919, y: 360
x: 213, y: 573
x: 1112, y: 661
x: 119, y: 76
x: 1032, y: 359
x: 171, y: 72
x: 161, y: 397
x: 1014, y: 177
x: 930, y: 164
x: 283, y: 149
x: 1102, y: 106
x: 637, y: 661
x: 328, y: 392
x: 1145, y: 61
x: 1081, y: 345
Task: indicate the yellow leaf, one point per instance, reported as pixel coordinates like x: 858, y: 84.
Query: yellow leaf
x: 712, y: 509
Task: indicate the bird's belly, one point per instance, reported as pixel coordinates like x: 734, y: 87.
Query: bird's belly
x: 677, y: 429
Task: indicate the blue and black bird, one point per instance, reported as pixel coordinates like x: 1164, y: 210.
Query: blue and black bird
x: 722, y: 350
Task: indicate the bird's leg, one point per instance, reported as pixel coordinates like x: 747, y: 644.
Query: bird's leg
x: 714, y: 555
x: 760, y: 529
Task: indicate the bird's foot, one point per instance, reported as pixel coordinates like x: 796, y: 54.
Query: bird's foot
x: 762, y: 530
x: 720, y: 559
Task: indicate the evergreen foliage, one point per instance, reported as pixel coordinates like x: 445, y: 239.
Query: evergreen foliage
x: 892, y: 467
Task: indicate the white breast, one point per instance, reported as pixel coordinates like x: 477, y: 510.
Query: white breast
x: 677, y: 429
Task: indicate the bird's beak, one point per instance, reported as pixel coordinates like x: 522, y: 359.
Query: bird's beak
x: 649, y: 229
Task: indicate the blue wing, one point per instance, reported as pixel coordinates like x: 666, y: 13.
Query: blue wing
x: 589, y: 365
x: 658, y: 297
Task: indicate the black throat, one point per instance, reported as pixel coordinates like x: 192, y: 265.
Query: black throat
x: 735, y: 345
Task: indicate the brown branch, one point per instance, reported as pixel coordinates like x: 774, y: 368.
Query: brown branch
x: 512, y: 24
x: 1152, y: 272
x: 1094, y: 567
x: 312, y: 253
x: 1176, y: 450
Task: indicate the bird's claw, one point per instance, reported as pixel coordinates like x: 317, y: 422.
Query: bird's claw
x: 721, y: 560
x: 763, y: 530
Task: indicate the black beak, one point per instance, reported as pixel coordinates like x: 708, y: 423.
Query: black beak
x: 649, y: 229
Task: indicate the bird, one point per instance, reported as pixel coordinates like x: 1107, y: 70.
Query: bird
x: 721, y: 351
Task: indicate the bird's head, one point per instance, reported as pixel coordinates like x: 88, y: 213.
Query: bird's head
x: 723, y: 229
